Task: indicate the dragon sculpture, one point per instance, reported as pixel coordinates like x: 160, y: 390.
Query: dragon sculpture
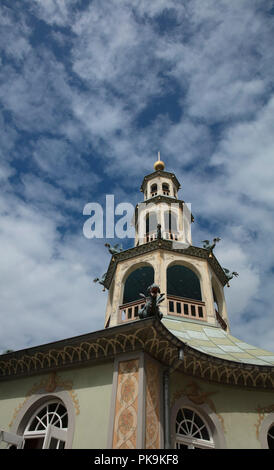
x: 151, y: 307
x: 101, y: 280
x: 230, y: 275
x: 114, y: 249
x: 210, y: 246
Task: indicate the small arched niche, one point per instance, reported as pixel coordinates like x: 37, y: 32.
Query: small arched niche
x: 183, y: 282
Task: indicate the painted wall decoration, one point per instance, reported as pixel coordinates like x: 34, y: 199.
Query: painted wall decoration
x: 126, y: 407
x: 153, y: 387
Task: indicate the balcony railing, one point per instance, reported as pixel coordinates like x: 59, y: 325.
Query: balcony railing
x: 167, y: 235
x: 178, y: 306
x: 129, y: 311
x: 187, y: 308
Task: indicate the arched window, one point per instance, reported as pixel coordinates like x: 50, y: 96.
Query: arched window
x: 137, y: 282
x: 170, y: 221
x: 151, y: 222
x: 47, y: 427
x: 191, y: 431
x: 183, y: 282
x: 154, y: 189
x: 270, y: 437
x: 165, y: 188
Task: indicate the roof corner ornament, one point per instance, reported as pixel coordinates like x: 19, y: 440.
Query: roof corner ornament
x: 113, y: 250
x: 229, y: 275
x: 151, y: 307
x: 210, y: 246
x: 101, y: 280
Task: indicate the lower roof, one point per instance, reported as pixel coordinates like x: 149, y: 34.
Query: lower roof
x: 175, y: 348
x: 216, y: 342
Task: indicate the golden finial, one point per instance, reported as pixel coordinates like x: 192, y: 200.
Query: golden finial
x: 159, y: 165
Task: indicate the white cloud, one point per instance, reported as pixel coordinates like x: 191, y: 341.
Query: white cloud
x: 68, y: 118
x: 46, y: 290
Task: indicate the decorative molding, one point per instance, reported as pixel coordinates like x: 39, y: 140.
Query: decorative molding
x: 148, y: 335
x: 163, y: 244
x: 126, y: 407
x: 163, y: 174
x: 262, y: 411
x: 197, y: 396
x: 153, y: 388
x: 49, y: 385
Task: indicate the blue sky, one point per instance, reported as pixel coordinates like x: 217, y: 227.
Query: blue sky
x: 89, y: 92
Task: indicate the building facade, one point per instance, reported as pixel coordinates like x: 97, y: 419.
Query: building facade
x: 182, y: 381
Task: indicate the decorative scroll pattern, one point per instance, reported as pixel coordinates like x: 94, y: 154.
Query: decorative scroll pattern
x: 49, y: 385
x: 149, y: 335
x: 152, y: 437
x: 195, y: 394
x: 125, y: 421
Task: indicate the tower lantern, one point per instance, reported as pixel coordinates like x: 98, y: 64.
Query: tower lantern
x: 163, y: 254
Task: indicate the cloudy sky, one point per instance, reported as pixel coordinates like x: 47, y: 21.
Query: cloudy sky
x: 89, y: 92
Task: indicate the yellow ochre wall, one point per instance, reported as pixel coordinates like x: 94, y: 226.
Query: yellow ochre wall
x: 239, y: 411
x: 89, y: 389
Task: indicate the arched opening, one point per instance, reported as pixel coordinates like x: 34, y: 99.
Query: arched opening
x: 218, y: 304
x: 270, y: 437
x: 165, y: 188
x: 184, y: 293
x: 183, y: 282
x: 170, y: 225
x: 137, y: 282
x: 151, y: 226
x: 47, y: 426
x: 194, y: 427
x: 192, y: 431
x: 154, y: 189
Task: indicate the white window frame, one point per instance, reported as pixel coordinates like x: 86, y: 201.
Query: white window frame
x: 191, y: 441
x: 265, y: 427
x: 209, y: 417
x: 11, y: 439
x: 50, y: 431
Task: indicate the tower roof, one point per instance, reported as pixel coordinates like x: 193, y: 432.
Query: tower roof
x: 159, y: 167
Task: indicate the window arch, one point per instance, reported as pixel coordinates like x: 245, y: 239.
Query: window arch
x: 24, y: 420
x: 165, y: 188
x: 183, y: 282
x: 270, y: 437
x: 170, y: 220
x: 154, y: 189
x: 195, y: 426
x: 137, y: 282
x: 191, y: 430
x: 47, y: 427
x: 151, y: 222
x: 266, y: 433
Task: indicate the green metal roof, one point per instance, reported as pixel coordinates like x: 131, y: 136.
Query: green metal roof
x: 216, y: 342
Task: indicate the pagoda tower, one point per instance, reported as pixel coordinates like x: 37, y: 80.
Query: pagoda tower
x: 190, y: 277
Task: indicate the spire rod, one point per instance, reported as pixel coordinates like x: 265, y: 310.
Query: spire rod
x: 159, y: 165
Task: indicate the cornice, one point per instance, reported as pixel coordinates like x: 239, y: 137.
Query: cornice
x: 164, y: 245
x: 149, y: 335
x: 163, y: 174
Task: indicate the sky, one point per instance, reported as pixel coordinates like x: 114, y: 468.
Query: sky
x: 90, y: 91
